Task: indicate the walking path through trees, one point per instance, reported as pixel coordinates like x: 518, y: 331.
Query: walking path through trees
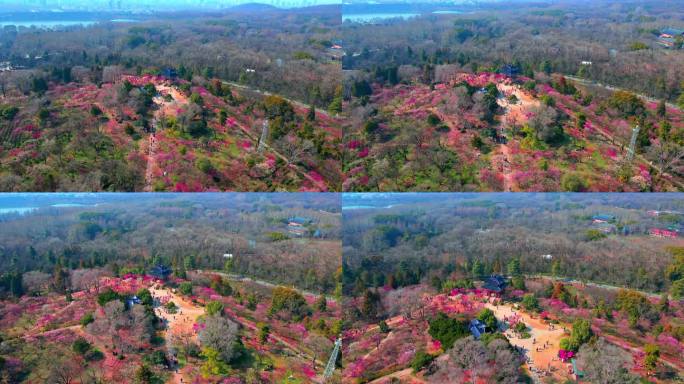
x: 169, y: 99
x: 180, y: 324
x: 513, y: 117
x: 541, y: 348
x: 151, y: 156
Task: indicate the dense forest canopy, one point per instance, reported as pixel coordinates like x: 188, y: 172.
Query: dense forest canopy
x: 390, y: 241
x: 133, y: 232
x: 283, y: 51
x: 618, y: 38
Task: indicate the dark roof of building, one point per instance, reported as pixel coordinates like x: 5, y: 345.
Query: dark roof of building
x: 169, y: 72
x: 496, y: 283
x: 510, y: 70
x: 160, y: 271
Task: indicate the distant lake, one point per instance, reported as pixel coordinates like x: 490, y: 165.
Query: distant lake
x: 47, y: 24
x: 447, y: 12
x: 25, y: 210
x: 56, y: 24
x: 351, y: 207
x: 371, y: 17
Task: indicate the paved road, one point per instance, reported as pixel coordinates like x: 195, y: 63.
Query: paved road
x: 269, y: 284
x: 592, y: 284
x: 267, y: 93
x: 613, y: 88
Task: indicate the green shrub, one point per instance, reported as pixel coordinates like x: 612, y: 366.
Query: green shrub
x: 433, y: 119
x: 81, y: 346
x: 530, y: 302
x: 487, y: 317
x: 289, y: 300
x: 155, y: 358
x: 447, y: 330
x: 145, y: 296
x: 637, y: 46
x: 420, y: 360
x: 214, y: 308
x: 277, y: 236
x: 185, y: 288
x: 384, y: 328
x: 573, y: 182
x: 8, y: 112
x: 94, y: 355
x: 107, y: 296
x: 171, y: 307
x: 87, y: 319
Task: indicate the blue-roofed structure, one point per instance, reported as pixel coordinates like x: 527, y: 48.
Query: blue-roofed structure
x: 673, y: 32
x: 160, y: 271
x: 495, y: 283
x: 299, y: 220
x: 170, y: 73
x: 296, y: 226
x: 671, y: 37
x: 510, y: 70
x: 133, y: 301
x: 477, y: 328
x: 603, y: 218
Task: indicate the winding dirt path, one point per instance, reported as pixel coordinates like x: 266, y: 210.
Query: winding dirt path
x: 151, y: 162
x: 179, y: 325
x: 507, y: 174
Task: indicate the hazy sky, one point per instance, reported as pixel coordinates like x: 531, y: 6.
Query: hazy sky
x: 141, y: 5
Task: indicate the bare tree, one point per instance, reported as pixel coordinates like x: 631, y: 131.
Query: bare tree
x: 220, y: 334
x: 603, y: 363
x: 668, y: 157
x: 36, y: 281
x: 86, y: 279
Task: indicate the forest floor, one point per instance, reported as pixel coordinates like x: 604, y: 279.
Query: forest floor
x: 541, y: 349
